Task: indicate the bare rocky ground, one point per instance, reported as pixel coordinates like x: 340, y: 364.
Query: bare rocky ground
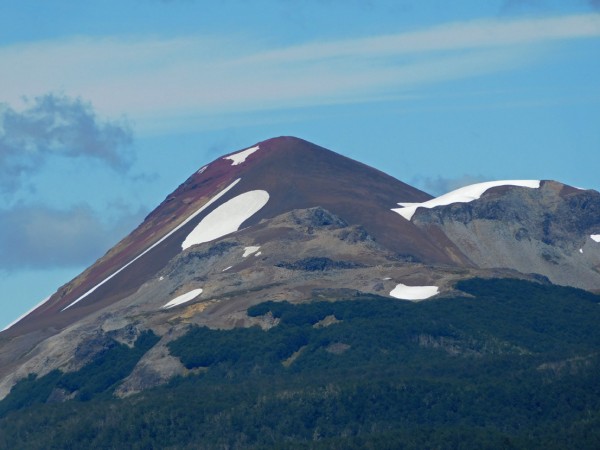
x: 544, y: 231
x: 303, y: 255
x: 311, y: 254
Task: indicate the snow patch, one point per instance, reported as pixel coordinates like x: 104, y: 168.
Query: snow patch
x: 580, y: 250
x: 258, y: 254
x: 463, y: 195
x: 202, y: 169
x: 226, y: 268
x: 183, y: 298
x: 161, y: 278
x: 22, y: 316
x: 185, y: 222
x: 386, y: 279
x: 249, y: 250
x: 405, y: 292
x: 240, y: 157
x: 595, y: 237
x: 227, y: 218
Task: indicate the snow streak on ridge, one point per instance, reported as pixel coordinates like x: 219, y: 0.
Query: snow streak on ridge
x: 185, y: 222
x: 240, y: 157
x: 184, y: 298
x: 250, y: 250
x: 227, y: 218
x: 25, y: 314
x: 404, y: 292
x: 463, y: 195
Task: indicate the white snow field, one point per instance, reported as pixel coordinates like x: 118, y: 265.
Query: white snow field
x: 226, y: 268
x: 183, y: 298
x: 404, y: 292
x: 595, y: 237
x: 240, y: 157
x: 463, y: 195
x: 26, y: 314
x: 206, y: 205
x: 249, y: 250
x: 227, y: 218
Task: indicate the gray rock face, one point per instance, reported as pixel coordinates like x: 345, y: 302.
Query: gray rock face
x: 544, y: 231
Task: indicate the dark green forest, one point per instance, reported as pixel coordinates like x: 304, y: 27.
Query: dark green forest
x: 509, y: 364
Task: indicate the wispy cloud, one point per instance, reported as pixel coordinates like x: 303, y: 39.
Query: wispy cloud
x: 158, y: 78
x: 55, y: 125
x: 38, y: 237
x: 509, y: 5
x: 441, y: 185
x: 454, y: 36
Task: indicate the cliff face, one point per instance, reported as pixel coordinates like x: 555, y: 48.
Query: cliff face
x: 545, y: 231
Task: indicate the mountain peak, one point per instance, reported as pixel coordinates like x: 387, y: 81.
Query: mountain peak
x: 282, y: 174
x: 285, y: 219
x: 257, y: 184
x: 293, y: 173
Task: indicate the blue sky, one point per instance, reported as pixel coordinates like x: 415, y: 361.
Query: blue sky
x: 107, y: 106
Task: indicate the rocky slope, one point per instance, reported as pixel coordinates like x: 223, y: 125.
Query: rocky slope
x: 545, y: 231
x: 288, y: 220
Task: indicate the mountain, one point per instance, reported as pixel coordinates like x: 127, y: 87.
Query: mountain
x: 291, y: 223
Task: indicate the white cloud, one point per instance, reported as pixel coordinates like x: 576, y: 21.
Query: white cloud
x: 454, y: 36
x: 152, y: 78
x: 55, y: 125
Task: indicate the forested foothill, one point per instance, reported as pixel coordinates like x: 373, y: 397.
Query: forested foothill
x: 509, y: 364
